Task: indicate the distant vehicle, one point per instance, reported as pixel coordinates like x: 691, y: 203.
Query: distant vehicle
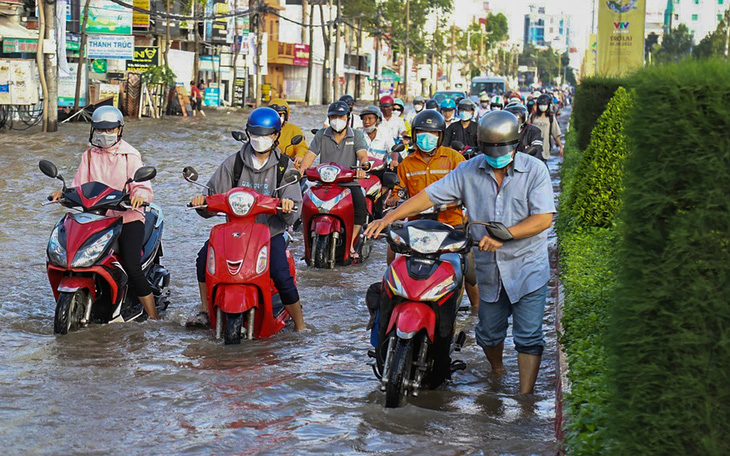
x: 495, y: 85
x: 455, y: 95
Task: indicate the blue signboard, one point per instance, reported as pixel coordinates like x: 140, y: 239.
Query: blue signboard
x: 212, y: 97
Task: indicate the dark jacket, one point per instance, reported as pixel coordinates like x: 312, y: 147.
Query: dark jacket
x: 531, y: 136
x: 457, y: 132
x: 261, y: 180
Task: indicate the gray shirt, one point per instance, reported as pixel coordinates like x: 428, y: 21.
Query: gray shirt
x: 521, y: 266
x: 344, y: 153
x: 261, y: 180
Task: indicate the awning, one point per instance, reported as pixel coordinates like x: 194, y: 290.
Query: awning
x: 11, y: 29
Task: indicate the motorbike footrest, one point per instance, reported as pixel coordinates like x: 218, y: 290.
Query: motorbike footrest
x: 457, y: 365
x: 371, y: 354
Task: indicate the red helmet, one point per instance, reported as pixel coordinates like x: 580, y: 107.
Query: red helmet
x: 386, y: 100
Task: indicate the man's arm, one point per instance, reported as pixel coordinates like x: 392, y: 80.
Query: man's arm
x: 531, y: 226
x: 413, y: 206
x: 307, y: 161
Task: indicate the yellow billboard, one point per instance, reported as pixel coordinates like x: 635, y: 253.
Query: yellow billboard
x: 620, y: 36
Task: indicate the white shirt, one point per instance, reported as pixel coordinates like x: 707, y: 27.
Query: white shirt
x: 394, y: 127
x: 380, y: 146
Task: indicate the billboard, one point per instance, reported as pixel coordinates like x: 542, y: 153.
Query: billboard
x: 140, y: 19
x: 301, y: 54
x: 110, y: 47
x: 109, y: 18
x: 620, y: 36
x: 144, y: 59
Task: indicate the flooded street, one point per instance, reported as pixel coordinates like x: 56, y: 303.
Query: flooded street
x: 159, y: 388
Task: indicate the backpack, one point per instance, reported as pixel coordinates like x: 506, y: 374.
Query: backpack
x: 280, y: 168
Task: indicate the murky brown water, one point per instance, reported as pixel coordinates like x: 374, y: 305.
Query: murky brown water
x: 158, y: 388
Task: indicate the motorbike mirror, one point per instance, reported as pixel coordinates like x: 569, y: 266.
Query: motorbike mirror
x: 292, y: 176
x: 297, y: 139
x: 499, y: 231
x: 457, y: 145
x: 239, y: 135
x: 532, y: 151
x: 389, y: 179
x: 48, y: 168
x: 145, y: 173
x: 314, y: 130
x: 190, y: 174
x: 400, y: 147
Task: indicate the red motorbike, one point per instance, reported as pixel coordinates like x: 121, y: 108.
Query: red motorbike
x: 467, y: 151
x: 419, y: 301
x: 328, y: 215
x: 242, y: 299
x: 88, y: 281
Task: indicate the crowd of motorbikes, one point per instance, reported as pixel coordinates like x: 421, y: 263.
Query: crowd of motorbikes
x: 419, y: 297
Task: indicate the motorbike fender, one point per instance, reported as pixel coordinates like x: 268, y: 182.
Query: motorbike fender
x: 235, y: 298
x: 326, y: 225
x: 409, y: 318
x: 73, y: 284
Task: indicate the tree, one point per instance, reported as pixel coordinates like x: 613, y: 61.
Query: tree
x: 676, y: 45
x: 714, y: 44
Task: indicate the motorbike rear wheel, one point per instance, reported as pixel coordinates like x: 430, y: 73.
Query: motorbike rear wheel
x: 399, y: 373
x: 69, y: 312
x: 232, y: 330
x: 321, y: 251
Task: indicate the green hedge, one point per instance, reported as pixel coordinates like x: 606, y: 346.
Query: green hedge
x: 596, y: 193
x: 669, y: 331
x: 591, y: 98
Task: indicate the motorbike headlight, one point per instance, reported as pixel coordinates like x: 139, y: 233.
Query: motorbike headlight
x: 262, y: 260
x: 426, y: 242
x: 89, y: 254
x: 55, y: 251
x: 455, y: 247
x: 241, y: 202
x: 397, y: 239
x: 211, y: 260
x: 440, y: 290
x: 328, y: 173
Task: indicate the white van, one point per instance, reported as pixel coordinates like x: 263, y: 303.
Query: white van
x: 494, y: 85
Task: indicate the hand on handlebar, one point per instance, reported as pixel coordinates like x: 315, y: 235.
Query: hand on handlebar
x: 55, y: 196
x: 489, y: 244
x: 287, y: 205
x: 197, y: 201
x: 361, y: 174
x: 298, y: 162
x: 136, y: 202
x: 392, y: 201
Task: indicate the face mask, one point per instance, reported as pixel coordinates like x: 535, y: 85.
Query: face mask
x: 499, y: 162
x: 369, y: 129
x: 261, y: 143
x: 465, y: 115
x: 338, y: 125
x: 418, y: 107
x: 426, y: 142
x: 104, y: 140
x: 542, y: 108
x: 484, y: 105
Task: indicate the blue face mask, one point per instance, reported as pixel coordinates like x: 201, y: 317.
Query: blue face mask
x: 499, y: 162
x: 465, y: 115
x: 426, y: 142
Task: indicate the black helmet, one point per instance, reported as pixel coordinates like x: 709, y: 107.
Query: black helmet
x: 349, y: 99
x: 519, y: 110
x: 338, y: 108
x: 429, y: 120
x: 432, y: 104
x: 498, y: 133
x: 544, y: 99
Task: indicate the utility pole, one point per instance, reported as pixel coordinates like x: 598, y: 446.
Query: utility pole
x: 453, y: 48
x: 259, y: 21
x: 326, y: 38
x: 167, y: 34
x: 408, y: 42
x: 40, y: 61
x: 82, y: 59
x: 335, y: 79
x: 376, y: 70
x: 308, y: 97
x: 305, y: 4
x: 48, y: 71
x: 236, y: 49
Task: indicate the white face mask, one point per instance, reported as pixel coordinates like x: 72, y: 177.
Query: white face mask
x: 338, y: 125
x: 542, y: 108
x: 418, y: 107
x: 261, y: 143
x: 104, y: 140
x: 369, y: 129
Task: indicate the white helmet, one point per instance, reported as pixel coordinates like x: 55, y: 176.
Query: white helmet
x: 497, y: 102
x: 104, y: 118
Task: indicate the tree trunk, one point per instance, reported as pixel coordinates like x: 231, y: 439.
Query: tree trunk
x: 326, y: 40
x: 196, y: 58
x: 308, y: 97
x: 51, y: 70
x: 335, y: 79
x: 82, y: 59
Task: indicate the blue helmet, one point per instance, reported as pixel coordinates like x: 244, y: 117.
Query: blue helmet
x: 448, y: 104
x: 263, y: 121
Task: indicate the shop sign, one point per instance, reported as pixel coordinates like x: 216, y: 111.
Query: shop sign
x: 144, y: 59
x: 110, y: 47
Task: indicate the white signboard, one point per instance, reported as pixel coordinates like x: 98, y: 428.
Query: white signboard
x: 110, y: 47
x: 18, y: 82
x: 181, y: 63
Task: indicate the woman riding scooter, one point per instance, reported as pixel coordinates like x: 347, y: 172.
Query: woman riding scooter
x: 112, y: 161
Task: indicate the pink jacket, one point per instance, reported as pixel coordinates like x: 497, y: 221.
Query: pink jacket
x: 112, y: 167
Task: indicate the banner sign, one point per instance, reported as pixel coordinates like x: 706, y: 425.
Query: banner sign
x: 110, y: 47
x: 620, y: 36
x: 67, y: 87
x: 110, y: 18
x: 301, y: 54
x: 141, y: 19
x: 212, y: 96
x: 144, y: 59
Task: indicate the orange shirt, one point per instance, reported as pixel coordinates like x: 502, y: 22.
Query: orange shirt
x: 415, y: 175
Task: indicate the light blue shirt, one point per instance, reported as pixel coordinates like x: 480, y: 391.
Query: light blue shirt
x: 522, y: 265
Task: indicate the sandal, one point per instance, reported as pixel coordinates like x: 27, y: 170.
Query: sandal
x: 353, y: 259
x: 198, y: 320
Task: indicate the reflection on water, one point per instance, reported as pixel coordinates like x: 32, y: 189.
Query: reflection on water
x: 158, y: 388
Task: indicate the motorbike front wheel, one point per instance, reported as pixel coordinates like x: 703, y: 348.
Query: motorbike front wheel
x: 69, y: 312
x: 399, y: 373
x: 321, y: 251
x: 232, y: 331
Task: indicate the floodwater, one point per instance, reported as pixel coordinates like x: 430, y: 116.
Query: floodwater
x: 159, y: 388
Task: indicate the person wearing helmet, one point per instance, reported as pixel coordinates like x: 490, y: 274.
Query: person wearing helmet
x: 448, y: 107
x: 483, y: 105
x: 515, y: 97
x: 392, y: 125
x: 496, y: 103
x: 530, y: 135
x: 289, y: 131
x: 431, y: 161
x: 398, y: 109
x: 545, y: 120
x: 432, y: 104
x: 514, y: 189
x: 354, y: 121
x: 465, y: 130
x: 256, y: 166
x: 112, y: 161
x: 379, y: 143
x: 419, y: 103
x: 347, y: 147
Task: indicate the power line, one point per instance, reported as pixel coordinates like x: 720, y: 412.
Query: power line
x: 162, y: 15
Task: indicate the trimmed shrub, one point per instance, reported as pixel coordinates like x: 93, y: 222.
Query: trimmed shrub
x: 572, y: 157
x: 669, y: 329
x: 596, y: 193
x: 591, y: 98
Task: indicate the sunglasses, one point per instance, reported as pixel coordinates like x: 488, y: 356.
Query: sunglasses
x: 397, y: 109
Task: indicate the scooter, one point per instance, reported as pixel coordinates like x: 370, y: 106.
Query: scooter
x: 88, y: 281
x: 419, y: 301
x: 467, y: 152
x: 328, y: 214
x: 242, y: 299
